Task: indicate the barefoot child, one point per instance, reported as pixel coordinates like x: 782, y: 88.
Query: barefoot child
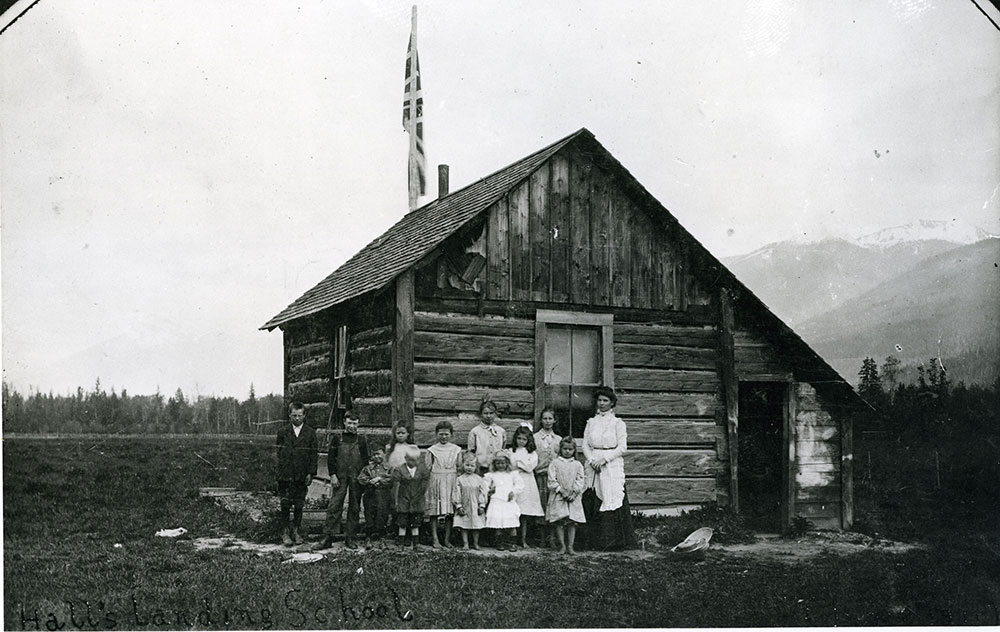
x: 566, y: 486
x: 442, y: 460
x: 469, y: 498
x: 502, y: 514
x: 524, y: 459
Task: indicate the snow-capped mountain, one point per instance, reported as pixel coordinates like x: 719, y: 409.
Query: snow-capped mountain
x: 953, y: 231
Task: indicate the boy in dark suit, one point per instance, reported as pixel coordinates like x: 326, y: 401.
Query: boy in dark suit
x: 297, y: 449
x: 347, y: 456
x: 411, y: 485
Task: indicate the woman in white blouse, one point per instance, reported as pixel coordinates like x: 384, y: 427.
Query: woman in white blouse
x: 605, y: 442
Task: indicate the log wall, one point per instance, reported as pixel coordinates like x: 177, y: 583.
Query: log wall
x: 308, y: 367
x: 818, y: 490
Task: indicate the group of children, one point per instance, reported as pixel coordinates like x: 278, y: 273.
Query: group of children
x: 491, y: 485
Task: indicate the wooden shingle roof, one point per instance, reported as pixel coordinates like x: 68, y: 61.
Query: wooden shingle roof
x: 413, y: 236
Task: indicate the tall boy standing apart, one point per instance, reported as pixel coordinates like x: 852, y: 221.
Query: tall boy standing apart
x: 347, y: 456
x: 297, y: 447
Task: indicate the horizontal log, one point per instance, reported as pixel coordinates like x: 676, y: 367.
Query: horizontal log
x: 666, y: 380
x: 367, y: 337
x: 668, y: 404
x: 445, y: 346
x: 474, y: 325
x: 474, y: 374
x: 374, y: 411
x: 370, y: 358
x: 302, y: 353
x: 697, y: 315
x: 749, y: 372
x: 371, y: 383
x: 670, y: 491
x: 468, y: 398
x: 645, y: 431
x: 671, y: 463
x: 674, y: 335
x: 310, y: 390
x: 664, y: 357
x: 756, y: 352
x: 318, y: 366
x: 317, y: 414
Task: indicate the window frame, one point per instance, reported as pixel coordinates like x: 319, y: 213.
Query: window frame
x: 605, y: 324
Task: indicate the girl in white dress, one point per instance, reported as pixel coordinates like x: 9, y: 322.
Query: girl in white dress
x: 503, y: 514
x: 566, y: 486
x: 524, y: 460
x: 442, y: 460
x: 469, y: 498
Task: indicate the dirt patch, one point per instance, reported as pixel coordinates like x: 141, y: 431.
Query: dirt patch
x: 812, y: 545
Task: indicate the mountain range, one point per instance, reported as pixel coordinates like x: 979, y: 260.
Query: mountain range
x: 923, y: 290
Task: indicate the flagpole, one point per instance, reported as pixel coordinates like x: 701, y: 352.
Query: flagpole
x: 412, y: 175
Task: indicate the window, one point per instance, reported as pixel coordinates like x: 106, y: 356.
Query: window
x: 338, y: 358
x: 573, y: 357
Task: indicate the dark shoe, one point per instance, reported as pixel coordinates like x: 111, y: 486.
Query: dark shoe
x: 327, y: 542
x: 349, y: 544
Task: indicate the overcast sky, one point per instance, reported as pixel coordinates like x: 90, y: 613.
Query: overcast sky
x: 175, y: 173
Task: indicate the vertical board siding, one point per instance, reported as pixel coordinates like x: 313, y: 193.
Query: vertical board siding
x: 520, y: 243
x: 570, y: 234
x: 580, y: 204
x: 561, y: 230
x: 541, y: 236
x: 818, y: 488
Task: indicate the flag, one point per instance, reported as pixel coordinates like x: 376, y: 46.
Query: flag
x: 413, y: 119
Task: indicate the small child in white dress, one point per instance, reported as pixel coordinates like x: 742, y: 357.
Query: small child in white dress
x: 469, y: 499
x: 566, y: 486
x: 503, y: 514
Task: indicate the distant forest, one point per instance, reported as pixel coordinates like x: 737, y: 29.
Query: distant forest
x: 97, y: 411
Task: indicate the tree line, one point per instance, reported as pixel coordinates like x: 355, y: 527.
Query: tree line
x: 932, y: 405
x: 97, y: 411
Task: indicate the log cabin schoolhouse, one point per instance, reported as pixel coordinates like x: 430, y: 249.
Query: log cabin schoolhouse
x: 547, y: 278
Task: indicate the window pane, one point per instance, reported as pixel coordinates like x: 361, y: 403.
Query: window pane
x: 586, y: 356
x: 582, y: 403
x: 558, y: 356
x: 558, y: 397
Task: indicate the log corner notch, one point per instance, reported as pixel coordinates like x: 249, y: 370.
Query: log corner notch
x: 729, y: 388
x: 402, y: 351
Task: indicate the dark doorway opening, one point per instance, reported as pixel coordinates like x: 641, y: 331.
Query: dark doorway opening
x: 760, y: 456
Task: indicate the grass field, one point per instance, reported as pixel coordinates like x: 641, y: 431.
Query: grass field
x: 69, y: 505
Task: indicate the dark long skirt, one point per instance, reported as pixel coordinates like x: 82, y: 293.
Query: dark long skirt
x: 608, y: 530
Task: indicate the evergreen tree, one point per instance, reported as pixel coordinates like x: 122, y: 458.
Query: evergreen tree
x: 870, y: 385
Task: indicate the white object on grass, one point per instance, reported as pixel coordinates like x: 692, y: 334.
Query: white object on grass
x: 304, y: 558
x: 172, y: 533
x: 697, y: 541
